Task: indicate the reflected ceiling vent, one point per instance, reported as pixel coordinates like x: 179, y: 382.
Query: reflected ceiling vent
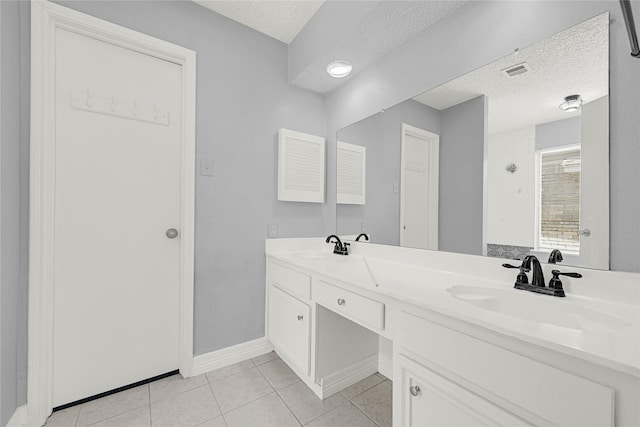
x: 517, y: 70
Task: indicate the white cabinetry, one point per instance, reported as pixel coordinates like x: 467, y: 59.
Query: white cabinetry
x: 486, y: 382
x: 428, y: 399
x: 360, y: 309
x: 289, y: 329
x: 289, y: 316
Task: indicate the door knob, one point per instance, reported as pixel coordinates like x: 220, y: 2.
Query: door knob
x: 414, y: 390
x: 172, y: 233
x: 584, y: 232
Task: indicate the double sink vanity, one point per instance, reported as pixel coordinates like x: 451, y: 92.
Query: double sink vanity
x: 462, y: 346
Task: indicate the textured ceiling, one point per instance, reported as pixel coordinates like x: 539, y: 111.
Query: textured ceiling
x: 281, y: 19
x: 386, y: 27
x: 575, y: 61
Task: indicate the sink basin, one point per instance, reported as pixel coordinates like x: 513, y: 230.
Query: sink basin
x: 537, y: 308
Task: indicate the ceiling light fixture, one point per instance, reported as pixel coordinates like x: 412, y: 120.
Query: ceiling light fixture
x: 339, y: 69
x: 571, y: 103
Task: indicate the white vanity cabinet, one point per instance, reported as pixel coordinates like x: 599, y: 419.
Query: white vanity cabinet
x: 463, y: 380
x: 452, y: 365
x: 289, y: 316
x: 425, y: 398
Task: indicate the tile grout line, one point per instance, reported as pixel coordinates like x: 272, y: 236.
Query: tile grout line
x: 362, y: 410
x: 278, y: 394
x: 244, y: 404
x: 150, y: 419
x: 289, y: 408
x: 114, y: 416
x: 365, y: 414
x: 362, y: 392
x: 215, y: 399
x: 77, y: 416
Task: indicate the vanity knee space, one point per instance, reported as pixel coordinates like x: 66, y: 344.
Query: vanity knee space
x: 328, y: 335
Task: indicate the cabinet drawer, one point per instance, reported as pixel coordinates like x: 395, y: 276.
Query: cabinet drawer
x: 557, y: 396
x: 363, y: 310
x: 295, y: 283
x: 289, y: 329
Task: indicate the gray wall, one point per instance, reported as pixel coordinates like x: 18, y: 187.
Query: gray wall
x: 560, y: 132
x: 479, y: 33
x: 239, y: 112
x: 11, y: 286
x: 381, y: 134
x: 463, y: 130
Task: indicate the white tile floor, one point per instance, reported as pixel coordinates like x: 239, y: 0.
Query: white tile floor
x: 260, y: 392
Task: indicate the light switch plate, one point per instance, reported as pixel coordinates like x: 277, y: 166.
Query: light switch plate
x: 206, y: 167
x: 273, y: 230
x: 396, y: 187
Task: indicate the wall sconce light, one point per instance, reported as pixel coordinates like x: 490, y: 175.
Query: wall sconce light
x: 571, y: 103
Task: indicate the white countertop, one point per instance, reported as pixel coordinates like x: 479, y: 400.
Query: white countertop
x: 601, y: 330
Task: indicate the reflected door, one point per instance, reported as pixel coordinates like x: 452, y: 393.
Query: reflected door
x: 419, y: 188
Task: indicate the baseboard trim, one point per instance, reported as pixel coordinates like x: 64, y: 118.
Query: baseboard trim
x: 227, y: 356
x: 19, y: 417
x: 350, y: 375
x: 385, y: 365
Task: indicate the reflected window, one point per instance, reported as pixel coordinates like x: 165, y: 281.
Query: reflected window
x: 559, y: 198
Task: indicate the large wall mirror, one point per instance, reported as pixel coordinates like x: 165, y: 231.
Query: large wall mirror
x: 508, y: 160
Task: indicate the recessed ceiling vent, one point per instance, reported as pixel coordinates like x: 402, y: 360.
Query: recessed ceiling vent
x: 517, y: 70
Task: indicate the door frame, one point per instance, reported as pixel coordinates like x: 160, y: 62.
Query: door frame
x: 433, y: 147
x: 46, y: 18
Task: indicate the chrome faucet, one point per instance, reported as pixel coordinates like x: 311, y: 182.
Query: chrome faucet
x: 339, y: 248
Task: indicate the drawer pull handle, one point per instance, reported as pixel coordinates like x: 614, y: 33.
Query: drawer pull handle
x: 300, y: 317
x: 414, y: 390
x: 341, y: 301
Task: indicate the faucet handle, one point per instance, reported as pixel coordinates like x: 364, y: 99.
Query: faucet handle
x: 521, y: 279
x: 510, y: 266
x: 556, y: 283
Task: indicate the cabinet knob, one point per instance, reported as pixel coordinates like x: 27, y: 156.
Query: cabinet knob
x: 414, y: 390
x: 300, y: 317
x: 341, y: 301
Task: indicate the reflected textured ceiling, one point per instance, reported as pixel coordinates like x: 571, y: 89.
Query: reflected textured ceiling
x: 575, y: 61
x: 281, y: 20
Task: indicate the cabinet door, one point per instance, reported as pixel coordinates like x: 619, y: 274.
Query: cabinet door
x: 289, y: 330
x: 428, y: 399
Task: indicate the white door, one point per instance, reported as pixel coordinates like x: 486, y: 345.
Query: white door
x: 594, y: 185
x: 117, y: 191
x: 419, y: 188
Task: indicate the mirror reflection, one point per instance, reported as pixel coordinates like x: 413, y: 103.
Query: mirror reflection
x: 507, y: 160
